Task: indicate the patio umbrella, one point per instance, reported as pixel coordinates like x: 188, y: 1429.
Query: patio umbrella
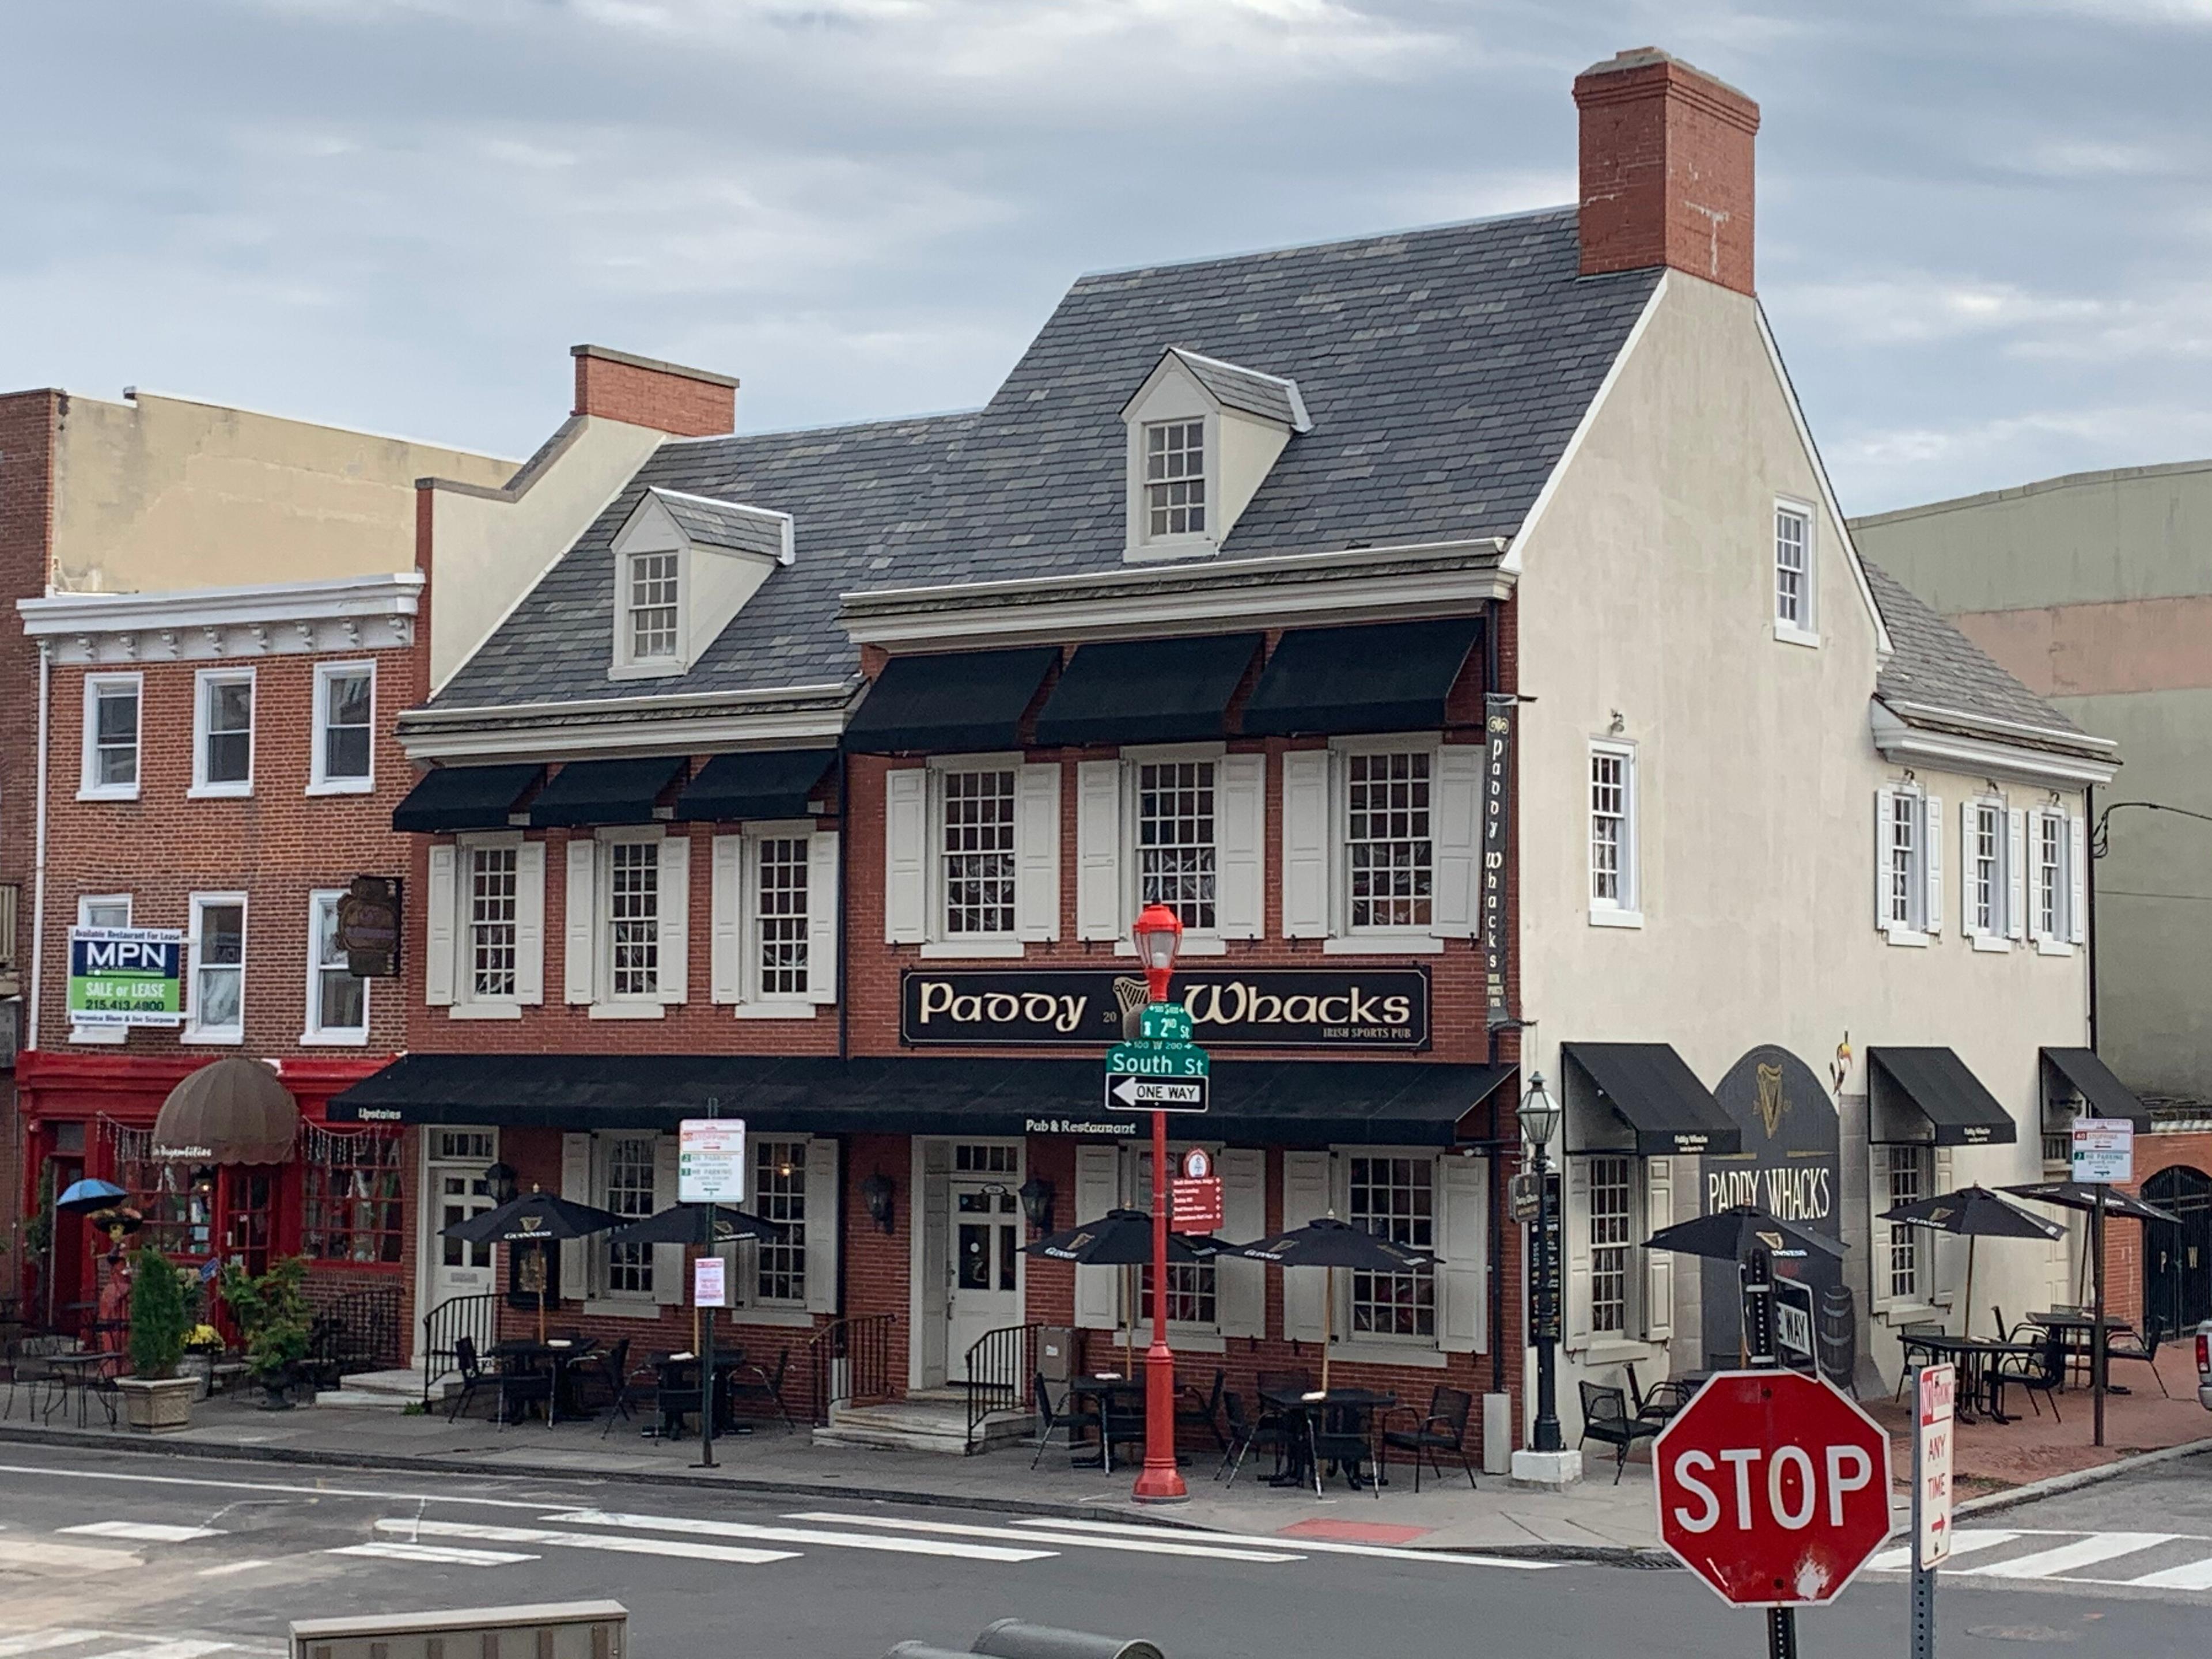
x: 1121, y: 1238
x: 1330, y: 1243
x: 1974, y: 1213
x: 686, y: 1224
x: 1732, y: 1234
x: 537, y: 1218
x: 83, y: 1197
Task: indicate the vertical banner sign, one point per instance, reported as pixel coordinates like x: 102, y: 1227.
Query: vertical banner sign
x: 1544, y: 1287
x: 710, y: 1161
x: 1931, y: 1464
x: 1497, y: 829
x: 707, y: 1290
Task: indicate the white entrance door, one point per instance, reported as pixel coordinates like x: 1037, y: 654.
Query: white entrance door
x: 985, y: 1268
x: 453, y: 1179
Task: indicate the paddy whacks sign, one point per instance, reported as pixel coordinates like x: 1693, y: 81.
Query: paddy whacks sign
x: 1258, y: 1008
x: 126, y: 977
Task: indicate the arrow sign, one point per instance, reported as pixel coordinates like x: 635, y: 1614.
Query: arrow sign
x: 1156, y: 1094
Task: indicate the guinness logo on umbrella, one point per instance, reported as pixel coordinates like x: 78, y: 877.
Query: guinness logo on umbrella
x: 531, y: 1223
x: 1772, y: 1241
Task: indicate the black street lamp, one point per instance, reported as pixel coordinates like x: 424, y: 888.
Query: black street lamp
x: 1539, y: 1118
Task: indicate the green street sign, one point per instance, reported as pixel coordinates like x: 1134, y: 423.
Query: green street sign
x: 1156, y: 1060
x: 1164, y: 1022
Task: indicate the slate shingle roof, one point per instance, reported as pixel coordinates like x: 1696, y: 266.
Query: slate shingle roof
x: 1248, y: 389
x: 723, y: 524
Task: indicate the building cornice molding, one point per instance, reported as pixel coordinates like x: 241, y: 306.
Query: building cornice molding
x: 1911, y: 745
x: 345, y: 613
x: 689, y: 723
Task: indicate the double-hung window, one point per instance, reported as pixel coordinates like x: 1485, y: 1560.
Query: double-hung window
x: 780, y: 918
x: 223, y: 732
x: 1908, y: 864
x: 111, y: 737
x: 632, y: 920
x: 1612, y: 1189
x: 629, y: 1163
x: 654, y: 582
x: 346, y: 718
x: 1175, y: 840
x: 1904, y: 1262
x: 337, y: 1003
x: 975, y: 852
x: 2051, y: 854
x: 628, y: 932
x: 778, y: 1195
x: 1989, y: 877
x: 1613, y: 865
x: 215, y: 1007
x: 1389, y: 854
x: 102, y: 911
x: 492, y: 914
x: 1175, y: 479
x: 1394, y: 1198
x: 1793, y: 573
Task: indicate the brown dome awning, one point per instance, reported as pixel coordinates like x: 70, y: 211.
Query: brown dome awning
x: 232, y: 1111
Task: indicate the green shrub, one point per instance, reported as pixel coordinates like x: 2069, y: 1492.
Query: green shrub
x: 272, y: 1312
x: 160, y: 1315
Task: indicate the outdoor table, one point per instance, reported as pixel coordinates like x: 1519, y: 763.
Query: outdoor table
x: 1101, y: 1390
x: 2076, y: 1329
x: 75, y: 1371
x: 563, y: 1354
x: 677, y: 1375
x: 1346, y: 1430
x: 1976, y: 1357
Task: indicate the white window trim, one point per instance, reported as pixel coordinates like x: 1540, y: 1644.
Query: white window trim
x: 1133, y: 1325
x: 605, y: 1004
x: 320, y: 782
x: 1997, y: 939
x: 1372, y: 941
x: 1144, y: 546
x: 627, y: 665
x: 598, y: 1297
x: 2058, y: 943
x: 313, y: 1034
x: 223, y: 1035
x: 1196, y: 941
x: 1634, y: 1311
x: 752, y: 1004
x: 90, y: 765
x: 466, y: 1003
x: 1913, y: 935
x: 204, y: 681
x: 1806, y: 633
x: 1385, y: 1348
x: 941, y: 944
x: 1628, y: 911
x: 110, y: 1036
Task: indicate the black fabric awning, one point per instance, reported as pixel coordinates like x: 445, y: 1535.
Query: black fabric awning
x: 772, y: 784
x: 606, y: 792
x: 2094, y: 1081
x: 1271, y: 1102
x: 1384, y: 676
x: 1933, y: 1084
x: 451, y: 798
x: 946, y: 704
x: 1652, y: 1090
x: 1147, y: 690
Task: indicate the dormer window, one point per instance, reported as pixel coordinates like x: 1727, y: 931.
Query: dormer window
x: 1203, y: 435
x: 1174, y: 478
x: 652, y: 594
x: 683, y: 567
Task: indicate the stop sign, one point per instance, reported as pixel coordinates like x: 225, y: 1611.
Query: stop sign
x: 1773, y: 1487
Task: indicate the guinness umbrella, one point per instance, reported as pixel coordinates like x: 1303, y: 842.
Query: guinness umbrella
x: 1733, y: 1234
x: 686, y: 1224
x: 538, y: 1217
x: 83, y: 1197
x: 1974, y: 1212
x: 232, y: 1111
x: 1121, y: 1238
x: 1330, y: 1243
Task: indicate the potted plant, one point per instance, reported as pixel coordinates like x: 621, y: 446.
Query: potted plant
x: 155, y: 1397
x: 274, y: 1318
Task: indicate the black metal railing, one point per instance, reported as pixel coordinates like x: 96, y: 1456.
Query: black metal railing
x: 476, y: 1317
x: 355, y: 1328
x: 1000, y: 1365
x: 848, y: 1363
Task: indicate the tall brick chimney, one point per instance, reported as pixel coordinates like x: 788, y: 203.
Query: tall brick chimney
x: 684, y: 402
x: 1666, y: 169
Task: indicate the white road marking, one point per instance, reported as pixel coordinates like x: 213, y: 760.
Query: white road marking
x: 2064, y: 1558
x: 30, y: 1553
x: 1962, y: 1543
x: 218, y: 1484
x: 182, y: 1647
x: 148, y: 1532
x: 583, y: 1541
x: 1304, y: 1546
x: 225, y: 1569
x: 442, y: 1555
x: 800, y: 1535
x: 2189, y: 1575
x: 1136, y: 1546
x: 38, y: 1641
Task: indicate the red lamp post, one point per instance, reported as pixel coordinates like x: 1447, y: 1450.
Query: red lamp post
x: 1158, y: 933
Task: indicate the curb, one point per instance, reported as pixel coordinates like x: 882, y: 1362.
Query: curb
x: 2051, y: 1485
x: 1615, y: 1555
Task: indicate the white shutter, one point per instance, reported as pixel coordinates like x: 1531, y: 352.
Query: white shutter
x: 1931, y: 841
x: 1658, y: 1265
x: 1240, y: 840
x: 675, y: 900
x: 2015, y: 873
x: 906, y: 843
x: 1097, y: 1189
x: 1969, y: 868
x: 576, y: 1187
x: 530, y: 922
x: 1884, y: 801
x: 1036, y: 852
x: 1305, y: 844
x: 1455, y: 832
x: 2077, y: 864
x: 821, y: 1224
x: 933, y: 1212
x: 726, y: 923
x: 2034, y: 828
x: 438, y: 946
x: 578, y: 966
x: 1098, y: 850
x: 821, y: 917
x: 669, y: 1266
x: 1463, y: 1278
x: 1949, y: 1250
x: 1240, y: 1294
x: 1880, y: 1300
x: 1305, y: 1198
x: 1574, y: 1245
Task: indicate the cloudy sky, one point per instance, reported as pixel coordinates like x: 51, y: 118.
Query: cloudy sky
x: 1984, y: 224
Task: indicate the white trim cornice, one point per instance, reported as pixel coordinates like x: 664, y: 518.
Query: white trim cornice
x: 2001, y: 728
x: 687, y: 723
x: 344, y: 613
x: 1908, y: 746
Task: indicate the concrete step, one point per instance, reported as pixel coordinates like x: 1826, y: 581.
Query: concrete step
x: 396, y: 1387
x: 365, y: 1399
x: 931, y: 1423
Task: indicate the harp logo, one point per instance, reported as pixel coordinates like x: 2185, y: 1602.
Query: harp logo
x: 1772, y: 1103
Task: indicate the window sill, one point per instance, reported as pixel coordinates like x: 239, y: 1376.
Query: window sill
x: 1790, y: 635
x: 343, y: 787
x: 1990, y: 942
x: 1166, y: 548
x: 107, y: 1037
x: 648, y: 671
x: 213, y: 1039
x: 1601, y: 916
x: 1618, y: 1351
x: 220, y: 792
x: 1412, y: 1354
x: 1905, y: 936
x: 334, y: 1039
x: 108, y: 794
x: 1183, y: 1339
x: 1382, y: 945
x: 971, y: 950
x: 607, y: 1308
x: 1910, y: 1313
x: 1194, y: 944
x: 484, y: 1011
x: 2053, y: 947
x: 630, y: 1010
x: 776, y: 1010
x: 788, y: 1318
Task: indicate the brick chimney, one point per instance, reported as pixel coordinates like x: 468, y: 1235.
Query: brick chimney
x: 684, y: 402
x: 1666, y: 169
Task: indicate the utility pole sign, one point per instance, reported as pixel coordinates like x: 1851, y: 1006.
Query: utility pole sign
x: 1934, y: 1389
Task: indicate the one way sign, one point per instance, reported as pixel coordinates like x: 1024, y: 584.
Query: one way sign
x: 1156, y: 1094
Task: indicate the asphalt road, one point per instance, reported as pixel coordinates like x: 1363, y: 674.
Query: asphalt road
x: 120, y: 1556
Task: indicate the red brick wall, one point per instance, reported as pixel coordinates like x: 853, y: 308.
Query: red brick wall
x: 1666, y: 170
x: 2123, y: 1240
x: 666, y: 398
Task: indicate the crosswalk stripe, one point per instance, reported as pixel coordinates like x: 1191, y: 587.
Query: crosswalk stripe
x: 39, y: 1641
x: 1136, y: 1546
x: 1304, y: 1546
x: 1962, y: 1543
x: 148, y: 1532
x: 2082, y: 1552
x: 181, y: 1647
x: 440, y: 1555
x: 64, y: 1558
x: 585, y: 1541
x: 227, y: 1569
x: 2191, y: 1576
x: 801, y: 1535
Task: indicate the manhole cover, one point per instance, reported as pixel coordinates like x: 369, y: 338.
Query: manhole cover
x: 2022, y: 1633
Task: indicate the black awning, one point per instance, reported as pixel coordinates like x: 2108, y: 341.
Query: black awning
x: 1932, y: 1086
x: 1147, y: 690
x: 1269, y: 1102
x: 1653, y: 1091
x: 1384, y: 676
x: 606, y: 792
x: 962, y: 701
x: 2094, y: 1081
x: 779, y: 783
x: 451, y: 798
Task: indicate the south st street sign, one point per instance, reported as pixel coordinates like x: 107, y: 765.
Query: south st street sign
x: 1351, y: 1010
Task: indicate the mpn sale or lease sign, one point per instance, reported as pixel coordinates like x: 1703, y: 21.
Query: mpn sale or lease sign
x: 126, y: 977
